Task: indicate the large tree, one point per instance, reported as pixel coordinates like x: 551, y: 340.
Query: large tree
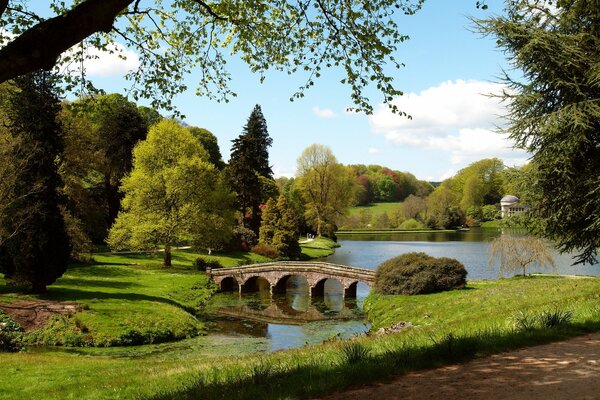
x: 37, y: 252
x: 210, y: 144
x: 172, y: 194
x: 100, y: 135
x: 554, y: 112
x: 291, y: 36
x: 249, y: 170
x: 327, y: 186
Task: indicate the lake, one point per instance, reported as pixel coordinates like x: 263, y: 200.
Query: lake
x: 469, y: 247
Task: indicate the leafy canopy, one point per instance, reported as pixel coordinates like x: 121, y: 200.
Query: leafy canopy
x: 554, y: 112
x: 302, y: 36
x: 172, y: 194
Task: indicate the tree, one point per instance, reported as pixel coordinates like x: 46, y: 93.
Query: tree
x: 172, y: 194
x: 99, y: 137
x: 279, y: 228
x: 414, y: 207
x: 326, y: 186
x: 297, y: 36
x: 442, y: 208
x: 249, y: 167
x: 516, y: 253
x: 554, y: 112
x: 210, y: 144
x: 38, y: 250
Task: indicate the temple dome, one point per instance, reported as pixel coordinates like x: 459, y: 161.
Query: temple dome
x: 509, y: 199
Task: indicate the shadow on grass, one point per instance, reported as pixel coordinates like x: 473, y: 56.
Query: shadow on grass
x: 310, y: 375
x: 114, y: 284
x: 70, y: 294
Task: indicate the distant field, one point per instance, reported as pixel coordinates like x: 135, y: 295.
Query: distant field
x: 376, y: 208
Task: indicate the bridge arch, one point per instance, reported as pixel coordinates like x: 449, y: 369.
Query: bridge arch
x: 318, y: 289
x: 255, y: 283
x: 286, y: 281
x: 229, y: 284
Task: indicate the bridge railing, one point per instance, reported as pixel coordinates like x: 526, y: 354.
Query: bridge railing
x: 290, y: 265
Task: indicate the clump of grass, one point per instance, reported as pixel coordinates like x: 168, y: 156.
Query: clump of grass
x: 524, y: 321
x: 555, y: 318
x: 261, y: 371
x: 354, y: 352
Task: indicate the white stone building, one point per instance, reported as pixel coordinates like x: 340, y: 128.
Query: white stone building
x: 510, y: 205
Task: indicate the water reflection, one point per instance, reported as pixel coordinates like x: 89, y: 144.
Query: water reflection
x: 289, y: 319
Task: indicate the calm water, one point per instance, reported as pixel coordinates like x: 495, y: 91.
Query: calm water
x: 469, y: 247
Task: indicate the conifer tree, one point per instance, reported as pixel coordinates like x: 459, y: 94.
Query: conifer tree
x: 38, y: 251
x: 248, y: 163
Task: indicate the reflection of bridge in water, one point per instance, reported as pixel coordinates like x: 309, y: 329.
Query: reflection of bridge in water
x: 275, y: 277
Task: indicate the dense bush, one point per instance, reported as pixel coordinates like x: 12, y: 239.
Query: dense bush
x: 10, y: 334
x: 201, y: 264
x: 419, y: 273
x: 265, y: 250
x: 411, y: 224
x: 243, y: 239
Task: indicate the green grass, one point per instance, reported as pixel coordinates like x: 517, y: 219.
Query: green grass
x: 379, y: 231
x: 449, y: 327
x: 318, y: 248
x: 491, y: 224
x: 375, y: 208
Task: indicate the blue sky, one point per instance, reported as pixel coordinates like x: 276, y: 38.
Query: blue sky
x: 448, y: 70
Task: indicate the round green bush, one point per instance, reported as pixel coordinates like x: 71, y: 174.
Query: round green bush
x: 11, y: 334
x: 419, y: 273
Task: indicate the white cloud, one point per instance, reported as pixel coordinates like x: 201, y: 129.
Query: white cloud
x: 373, y: 150
x: 456, y: 117
x: 448, y: 174
x: 324, y: 112
x: 279, y: 172
x: 117, y: 60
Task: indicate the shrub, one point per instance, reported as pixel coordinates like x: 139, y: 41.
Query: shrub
x: 411, y: 224
x: 243, y: 239
x: 419, y: 273
x: 265, y: 250
x: 202, y: 264
x: 11, y: 334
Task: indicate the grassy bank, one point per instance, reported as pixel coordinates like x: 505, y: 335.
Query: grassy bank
x: 451, y: 326
x: 318, y: 248
x: 378, y: 231
x: 375, y: 209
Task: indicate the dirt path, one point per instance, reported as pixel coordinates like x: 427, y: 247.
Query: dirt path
x: 33, y: 315
x: 563, y: 370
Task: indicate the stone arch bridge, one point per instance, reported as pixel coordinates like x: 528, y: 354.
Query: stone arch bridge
x: 253, y: 277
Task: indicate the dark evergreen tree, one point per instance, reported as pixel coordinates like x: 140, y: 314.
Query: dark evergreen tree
x: 554, y: 112
x: 249, y: 161
x: 38, y: 252
x: 285, y: 238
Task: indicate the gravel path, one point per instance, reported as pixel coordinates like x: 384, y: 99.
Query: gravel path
x: 556, y: 371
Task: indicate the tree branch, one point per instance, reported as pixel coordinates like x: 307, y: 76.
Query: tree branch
x: 40, y: 46
x: 3, y: 6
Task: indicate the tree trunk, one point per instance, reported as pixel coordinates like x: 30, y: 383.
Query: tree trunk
x: 167, y: 258
x: 38, y: 288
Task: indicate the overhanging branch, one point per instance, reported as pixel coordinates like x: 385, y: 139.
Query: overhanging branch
x: 40, y: 46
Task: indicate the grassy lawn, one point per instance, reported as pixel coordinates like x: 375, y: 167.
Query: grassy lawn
x: 375, y: 208
x: 450, y: 327
x: 491, y: 224
x: 318, y: 248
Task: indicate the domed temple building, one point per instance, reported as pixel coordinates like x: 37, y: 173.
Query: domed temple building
x: 510, y: 205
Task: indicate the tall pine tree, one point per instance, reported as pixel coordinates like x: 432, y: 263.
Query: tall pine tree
x: 248, y: 163
x: 38, y: 252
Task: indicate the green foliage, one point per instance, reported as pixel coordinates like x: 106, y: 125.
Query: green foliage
x: 172, y: 194
x: 553, y: 318
x: 490, y: 212
x: 326, y: 186
x: 411, y: 224
x: 354, y: 352
x: 360, y: 39
x: 100, y: 133
x: 554, y: 110
x: 210, y: 144
x: 243, y: 238
x: 419, y: 273
x: 249, y: 162
x: 201, y: 264
x: 11, y: 334
x: 37, y: 252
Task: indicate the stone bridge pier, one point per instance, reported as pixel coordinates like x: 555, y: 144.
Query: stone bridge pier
x: 274, y: 277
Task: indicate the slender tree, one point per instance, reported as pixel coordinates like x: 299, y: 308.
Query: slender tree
x: 327, y: 187
x: 249, y: 163
x: 210, y: 144
x: 38, y: 251
x: 517, y: 253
